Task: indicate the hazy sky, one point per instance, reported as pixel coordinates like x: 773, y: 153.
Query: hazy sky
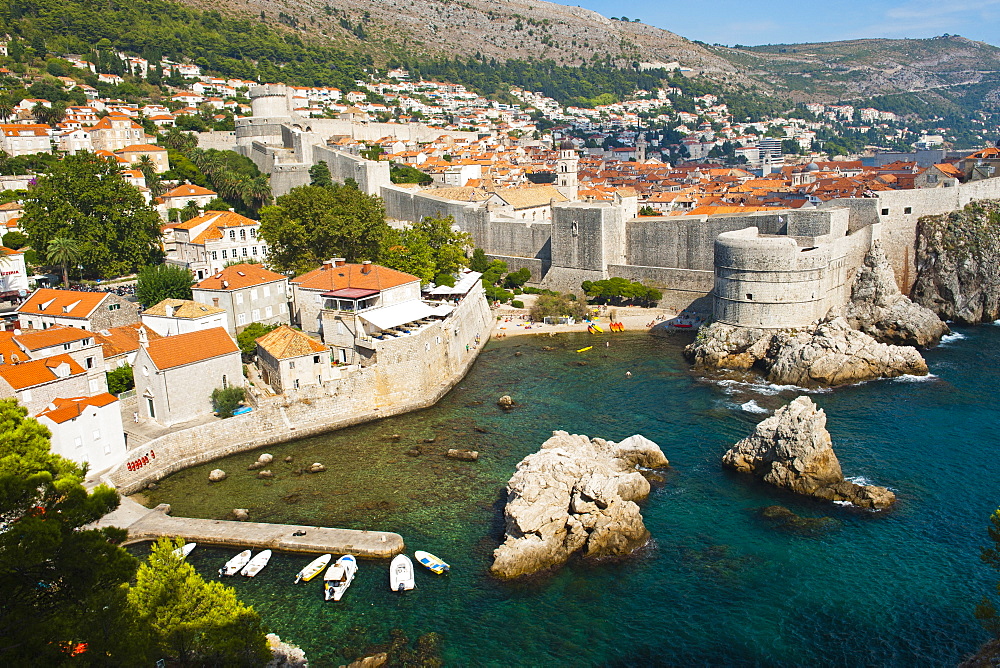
x: 786, y: 21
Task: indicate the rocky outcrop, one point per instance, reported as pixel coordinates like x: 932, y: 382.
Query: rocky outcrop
x: 958, y: 263
x: 462, y: 455
x: 827, y: 354
x: 575, y: 495
x: 879, y: 309
x: 505, y: 402
x: 285, y: 655
x: 216, y: 475
x: 792, y: 449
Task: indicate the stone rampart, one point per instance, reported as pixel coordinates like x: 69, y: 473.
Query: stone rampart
x: 412, y: 372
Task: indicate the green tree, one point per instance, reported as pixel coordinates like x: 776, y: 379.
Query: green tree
x: 53, y: 598
x: 225, y: 400
x: 311, y: 224
x: 120, y: 379
x: 193, y: 620
x: 163, y: 281
x: 64, y: 252
x: 146, y: 165
x: 247, y: 339
x: 85, y: 198
x: 430, y: 249
x: 479, y: 261
x: 407, y: 174
x: 517, y: 278
x: 15, y: 240
x: 556, y: 306
x: 319, y: 174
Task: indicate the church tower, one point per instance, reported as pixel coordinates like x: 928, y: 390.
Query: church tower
x: 640, y: 146
x: 566, y: 171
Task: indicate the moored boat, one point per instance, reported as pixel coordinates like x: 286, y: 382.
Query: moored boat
x: 313, y: 568
x: 185, y: 550
x: 257, y: 564
x: 401, y: 573
x: 339, y: 577
x: 430, y: 561
x: 233, y: 566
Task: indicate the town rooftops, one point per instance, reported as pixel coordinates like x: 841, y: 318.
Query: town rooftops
x: 337, y: 275
x: 63, y: 410
x: 121, y: 340
x: 39, y: 372
x: 182, y: 308
x: 62, y: 303
x: 46, y: 338
x: 285, y: 343
x: 237, y: 276
x: 182, y: 349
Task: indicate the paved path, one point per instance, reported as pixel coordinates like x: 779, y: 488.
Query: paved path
x: 152, y: 524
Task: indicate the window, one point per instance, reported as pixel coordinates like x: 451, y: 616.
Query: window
x: 253, y: 295
x: 107, y: 448
x: 225, y: 381
x: 225, y: 255
x: 215, y: 255
x: 268, y: 311
x: 885, y: 212
x: 319, y: 379
x: 232, y: 234
x: 575, y: 229
x: 255, y: 314
x: 296, y: 383
x: 26, y: 396
x: 255, y: 250
x: 267, y: 288
x: 114, y: 307
x: 241, y: 319
x: 66, y: 346
x: 340, y: 327
x: 315, y: 359
x: 291, y: 365
x: 90, y: 362
x: 145, y: 370
x: 78, y: 441
x: 239, y: 298
x: 749, y: 297
x: 282, y: 307
x: 95, y: 385
x: 244, y: 251
x: 908, y: 209
x: 97, y: 434
x: 149, y: 408
x: 243, y: 235
x: 253, y: 233
x: 215, y: 301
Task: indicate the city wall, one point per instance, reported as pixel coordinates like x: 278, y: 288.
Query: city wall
x: 412, y: 372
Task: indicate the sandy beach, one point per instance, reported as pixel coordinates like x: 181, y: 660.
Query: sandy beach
x: 633, y: 317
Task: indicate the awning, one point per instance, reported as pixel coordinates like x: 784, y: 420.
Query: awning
x: 465, y: 281
x: 388, y: 317
x: 443, y: 309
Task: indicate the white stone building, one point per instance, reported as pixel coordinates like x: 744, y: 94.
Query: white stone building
x: 181, y: 316
x: 289, y: 359
x: 86, y: 430
x: 248, y: 293
x: 206, y: 243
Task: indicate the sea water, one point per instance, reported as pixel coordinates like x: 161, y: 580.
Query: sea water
x: 718, y: 585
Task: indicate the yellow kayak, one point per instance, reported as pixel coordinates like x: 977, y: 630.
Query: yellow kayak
x: 583, y: 350
x: 597, y: 327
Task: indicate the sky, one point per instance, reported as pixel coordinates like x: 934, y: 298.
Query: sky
x: 786, y: 21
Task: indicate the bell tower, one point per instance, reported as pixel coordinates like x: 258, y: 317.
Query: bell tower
x: 566, y: 170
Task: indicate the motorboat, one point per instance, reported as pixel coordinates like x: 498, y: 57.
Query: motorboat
x: 185, y: 550
x: 314, y: 568
x: 339, y: 577
x: 257, y: 564
x: 430, y: 561
x: 401, y: 573
x: 233, y: 566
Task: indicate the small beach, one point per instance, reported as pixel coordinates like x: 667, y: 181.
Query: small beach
x: 635, y: 319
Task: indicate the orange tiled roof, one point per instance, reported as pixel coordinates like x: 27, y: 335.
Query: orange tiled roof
x: 329, y: 277
x: 210, y: 223
x: 237, y: 276
x: 188, y: 190
x: 181, y: 349
x: 285, y: 343
x: 37, y: 372
x: 63, y: 303
x: 53, y: 336
x: 124, y: 339
x: 62, y: 410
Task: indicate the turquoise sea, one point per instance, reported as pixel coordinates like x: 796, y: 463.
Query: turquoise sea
x: 718, y: 585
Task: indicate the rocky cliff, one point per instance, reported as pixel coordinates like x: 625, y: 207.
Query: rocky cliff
x: 827, y: 354
x: 958, y: 263
x: 792, y: 449
x: 575, y: 495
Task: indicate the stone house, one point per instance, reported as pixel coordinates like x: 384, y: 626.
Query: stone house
x: 27, y: 139
x: 206, y: 243
x: 87, y: 430
x: 37, y: 383
x: 175, y: 375
x: 115, y: 131
x: 79, y: 344
x: 178, y: 198
x: 181, y: 316
x: 157, y: 154
x: 331, y: 300
x: 943, y: 175
x: 289, y: 359
x: 93, y: 311
x: 248, y: 293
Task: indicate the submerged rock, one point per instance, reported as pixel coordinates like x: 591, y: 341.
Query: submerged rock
x: 316, y: 467
x: 505, y: 401
x: 879, y: 309
x: 792, y: 449
x: 216, y: 475
x: 265, y: 475
x: 785, y: 520
x: 463, y: 455
x: 241, y: 514
x: 575, y: 495
x: 265, y: 458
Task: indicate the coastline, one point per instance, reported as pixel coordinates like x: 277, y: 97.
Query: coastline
x: 635, y: 319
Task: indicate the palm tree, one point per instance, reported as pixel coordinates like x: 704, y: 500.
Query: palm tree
x: 146, y: 165
x: 6, y: 107
x: 257, y: 192
x: 64, y: 251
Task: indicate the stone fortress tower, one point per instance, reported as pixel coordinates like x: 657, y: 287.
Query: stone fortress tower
x: 567, y: 168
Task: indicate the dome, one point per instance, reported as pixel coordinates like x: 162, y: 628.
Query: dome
x: 567, y: 145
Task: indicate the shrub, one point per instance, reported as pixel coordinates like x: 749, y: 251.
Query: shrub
x: 120, y: 380
x: 517, y: 303
x: 557, y: 305
x: 225, y: 400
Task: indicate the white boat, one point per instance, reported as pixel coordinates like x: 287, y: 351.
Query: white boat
x: 314, y: 568
x: 401, y: 573
x: 338, y: 577
x: 257, y: 564
x: 234, y: 565
x: 430, y: 561
x: 184, y: 551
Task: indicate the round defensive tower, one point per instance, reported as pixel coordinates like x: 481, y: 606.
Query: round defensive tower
x: 769, y: 282
x: 270, y: 101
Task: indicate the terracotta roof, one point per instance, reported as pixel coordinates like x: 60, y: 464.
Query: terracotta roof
x: 53, y: 336
x: 208, y: 225
x: 38, y: 372
x: 183, y: 308
x: 181, y: 349
x: 531, y: 196
x: 141, y: 148
x: 121, y: 340
x: 188, y: 190
x: 330, y: 277
x: 63, y: 303
x: 237, y: 276
x: 285, y: 342
x: 62, y: 410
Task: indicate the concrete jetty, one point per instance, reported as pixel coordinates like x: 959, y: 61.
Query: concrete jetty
x: 258, y: 535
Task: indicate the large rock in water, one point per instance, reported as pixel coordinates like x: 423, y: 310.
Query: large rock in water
x: 827, y: 354
x: 879, y: 309
x: 792, y: 449
x: 958, y: 263
x: 575, y: 494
